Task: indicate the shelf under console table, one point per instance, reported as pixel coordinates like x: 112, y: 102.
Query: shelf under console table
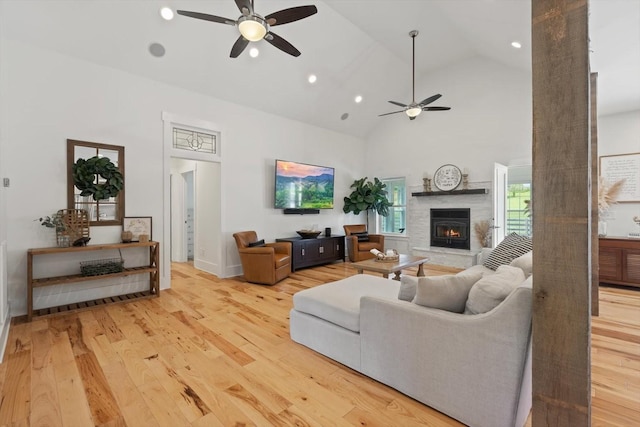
x: 317, y: 251
x: 152, y: 268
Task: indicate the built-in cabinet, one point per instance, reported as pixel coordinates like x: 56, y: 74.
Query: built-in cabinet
x: 619, y: 261
x: 151, y: 268
x: 311, y: 252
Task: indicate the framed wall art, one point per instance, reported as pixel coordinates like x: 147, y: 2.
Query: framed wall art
x: 623, y: 167
x: 137, y: 225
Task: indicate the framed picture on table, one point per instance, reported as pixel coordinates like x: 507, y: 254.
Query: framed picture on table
x: 137, y: 225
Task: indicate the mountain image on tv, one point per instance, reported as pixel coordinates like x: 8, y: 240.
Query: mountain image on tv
x: 303, y: 186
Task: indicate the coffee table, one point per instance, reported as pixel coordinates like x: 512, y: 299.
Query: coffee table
x: 404, y: 261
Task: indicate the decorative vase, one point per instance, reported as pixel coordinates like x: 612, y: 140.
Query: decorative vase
x: 126, y: 236
x: 63, y: 240
x: 602, y: 228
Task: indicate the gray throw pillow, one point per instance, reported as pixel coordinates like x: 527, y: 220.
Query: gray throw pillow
x: 492, y: 289
x: 407, y: 288
x: 445, y: 292
x: 509, y: 249
x: 524, y: 262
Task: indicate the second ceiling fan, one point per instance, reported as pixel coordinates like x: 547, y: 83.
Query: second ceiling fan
x: 414, y: 108
x: 254, y: 27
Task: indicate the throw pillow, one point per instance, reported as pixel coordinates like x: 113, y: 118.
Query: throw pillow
x: 492, y: 289
x: 525, y: 262
x: 445, y: 292
x: 509, y: 249
x: 362, y: 236
x: 407, y: 288
x: 257, y: 243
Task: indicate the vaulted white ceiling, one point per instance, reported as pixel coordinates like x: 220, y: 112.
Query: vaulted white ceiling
x: 355, y: 47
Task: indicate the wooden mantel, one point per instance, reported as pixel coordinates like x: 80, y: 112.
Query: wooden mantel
x: 451, y: 193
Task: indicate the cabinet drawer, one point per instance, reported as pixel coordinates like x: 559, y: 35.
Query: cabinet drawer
x: 632, y: 270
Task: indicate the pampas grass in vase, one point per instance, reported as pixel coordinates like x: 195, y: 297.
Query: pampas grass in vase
x: 608, y: 194
x: 483, y: 233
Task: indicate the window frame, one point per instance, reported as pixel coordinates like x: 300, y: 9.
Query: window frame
x: 379, y: 218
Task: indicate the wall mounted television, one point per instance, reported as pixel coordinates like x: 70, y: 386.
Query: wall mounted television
x: 303, y: 186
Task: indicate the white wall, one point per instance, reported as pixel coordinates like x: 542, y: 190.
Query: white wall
x: 48, y: 97
x: 620, y: 134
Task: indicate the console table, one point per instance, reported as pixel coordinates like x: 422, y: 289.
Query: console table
x: 152, y: 268
x: 310, y: 252
x: 620, y: 261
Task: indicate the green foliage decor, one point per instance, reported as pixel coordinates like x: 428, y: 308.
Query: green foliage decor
x: 366, y: 196
x: 84, y: 178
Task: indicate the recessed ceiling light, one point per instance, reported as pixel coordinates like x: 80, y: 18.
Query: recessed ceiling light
x: 358, y: 99
x: 517, y: 45
x: 166, y: 13
x: 156, y: 49
x: 313, y: 78
x: 254, y: 52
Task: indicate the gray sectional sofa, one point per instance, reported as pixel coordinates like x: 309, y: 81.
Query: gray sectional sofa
x: 475, y: 368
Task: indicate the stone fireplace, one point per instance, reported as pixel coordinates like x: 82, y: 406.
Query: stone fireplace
x: 419, y: 223
x: 450, y: 228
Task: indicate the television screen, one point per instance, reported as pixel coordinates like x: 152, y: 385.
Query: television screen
x: 302, y: 186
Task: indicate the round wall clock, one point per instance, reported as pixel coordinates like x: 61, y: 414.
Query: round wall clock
x: 447, y: 177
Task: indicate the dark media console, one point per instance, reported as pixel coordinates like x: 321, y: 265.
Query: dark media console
x: 311, y: 252
x: 300, y: 211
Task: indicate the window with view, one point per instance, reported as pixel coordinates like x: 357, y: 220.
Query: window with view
x: 395, y: 222
x: 519, y: 200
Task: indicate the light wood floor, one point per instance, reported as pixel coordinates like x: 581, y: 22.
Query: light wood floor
x: 213, y: 352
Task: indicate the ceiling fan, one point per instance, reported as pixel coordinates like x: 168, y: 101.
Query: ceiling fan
x: 254, y: 27
x: 412, y: 110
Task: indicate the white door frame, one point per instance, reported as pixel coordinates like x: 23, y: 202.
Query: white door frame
x: 169, y: 122
x: 500, y: 179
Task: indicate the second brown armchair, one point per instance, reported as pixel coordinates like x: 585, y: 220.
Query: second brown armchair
x: 264, y: 263
x: 359, y: 243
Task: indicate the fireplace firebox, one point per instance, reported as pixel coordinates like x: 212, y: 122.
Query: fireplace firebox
x: 450, y: 228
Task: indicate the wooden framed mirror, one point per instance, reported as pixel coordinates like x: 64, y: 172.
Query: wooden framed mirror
x: 106, y: 211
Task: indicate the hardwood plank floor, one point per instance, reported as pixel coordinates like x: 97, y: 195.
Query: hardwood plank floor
x: 214, y: 352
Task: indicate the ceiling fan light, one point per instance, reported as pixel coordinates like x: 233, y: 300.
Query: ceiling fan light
x: 252, y: 29
x: 413, y: 111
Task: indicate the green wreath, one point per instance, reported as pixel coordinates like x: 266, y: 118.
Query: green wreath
x: 84, y: 178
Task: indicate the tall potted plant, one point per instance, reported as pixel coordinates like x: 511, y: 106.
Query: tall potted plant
x: 367, y: 196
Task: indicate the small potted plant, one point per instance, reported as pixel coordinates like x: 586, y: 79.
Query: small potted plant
x: 55, y: 221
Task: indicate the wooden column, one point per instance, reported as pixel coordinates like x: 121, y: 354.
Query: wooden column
x: 562, y: 195
x: 595, y: 251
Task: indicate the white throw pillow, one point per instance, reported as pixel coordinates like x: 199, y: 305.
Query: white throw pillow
x: 407, y: 288
x: 445, y: 292
x: 492, y: 289
x: 525, y: 262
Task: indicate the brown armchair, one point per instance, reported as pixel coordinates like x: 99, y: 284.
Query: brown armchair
x: 359, y: 250
x: 266, y: 264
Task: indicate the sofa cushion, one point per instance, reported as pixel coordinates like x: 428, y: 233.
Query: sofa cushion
x: 525, y: 262
x: 281, y: 259
x: 339, y: 302
x: 367, y: 246
x: 492, y: 289
x: 509, y: 249
x: 445, y: 292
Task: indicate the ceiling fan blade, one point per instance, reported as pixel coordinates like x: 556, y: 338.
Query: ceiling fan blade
x: 436, y: 108
x: 393, y: 112
x: 206, y: 17
x: 290, y: 15
x: 245, y: 7
x: 282, y: 44
x: 238, y: 47
x: 429, y: 100
x: 399, y: 104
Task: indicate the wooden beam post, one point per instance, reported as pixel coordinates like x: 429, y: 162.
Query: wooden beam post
x: 595, y: 242
x: 562, y: 199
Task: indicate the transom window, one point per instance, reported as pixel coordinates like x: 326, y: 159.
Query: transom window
x: 191, y: 140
